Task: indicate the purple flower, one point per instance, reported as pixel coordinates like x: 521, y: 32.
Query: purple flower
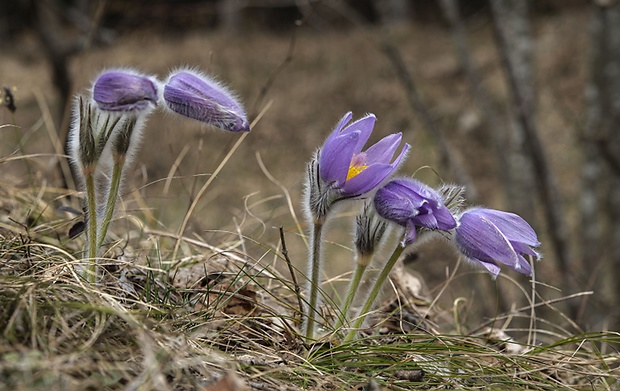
x: 199, y: 97
x: 345, y: 168
x: 411, y: 203
x: 124, y: 91
x: 490, y: 236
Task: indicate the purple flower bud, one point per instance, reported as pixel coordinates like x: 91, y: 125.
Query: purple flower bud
x: 343, y: 165
x: 489, y: 236
x: 124, y: 91
x: 199, y: 97
x: 411, y: 203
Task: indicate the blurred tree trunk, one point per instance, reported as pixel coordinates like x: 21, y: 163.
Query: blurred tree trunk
x: 511, y: 25
x: 600, y: 173
x: 513, y: 21
x: 64, y: 30
x: 493, y: 125
x: 493, y: 122
x: 394, y: 12
x: 229, y: 15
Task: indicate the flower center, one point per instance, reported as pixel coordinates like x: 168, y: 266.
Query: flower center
x: 358, y: 164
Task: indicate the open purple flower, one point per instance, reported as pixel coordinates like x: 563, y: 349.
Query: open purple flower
x: 351, y: 172
x: 489, y: 237
x: 411, y: 203
x: 124, y: 91
x: 199, y: 97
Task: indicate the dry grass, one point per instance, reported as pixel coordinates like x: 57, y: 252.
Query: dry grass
x: 155, y: 322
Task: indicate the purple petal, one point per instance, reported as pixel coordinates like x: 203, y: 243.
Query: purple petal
x: 365, y: 126
x: 490, y: 266
x: 426, y: 220
x: 513, y: 226
x: 410, y: 233
x: 383, y: 150
x: 410, y: 190
x: 445, y: 220
x: 401, y: 157
x: 201, y: 98
x: 415, y: 190
x: 124, y: 91
x: 521, y: 248
x: 336, y: 132
x: 335, y: 158
x: 524, y: 266
x: 393, y: 206
x: 478, y: 238
x: 404, y: 200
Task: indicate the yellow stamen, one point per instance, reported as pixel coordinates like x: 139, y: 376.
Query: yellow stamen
x: 354, y: 170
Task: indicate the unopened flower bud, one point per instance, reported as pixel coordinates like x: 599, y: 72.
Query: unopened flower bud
x: 124, y: 91
x: 199, y: 97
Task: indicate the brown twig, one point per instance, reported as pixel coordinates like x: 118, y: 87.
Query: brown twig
x: 291, y: 270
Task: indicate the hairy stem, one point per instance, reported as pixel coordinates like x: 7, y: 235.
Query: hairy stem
x: 315, y: 279
x: 353, y: 285
x: 90, y: 272
x: 385, y: 272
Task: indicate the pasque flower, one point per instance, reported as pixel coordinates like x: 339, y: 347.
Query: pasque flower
x: 489, y: 237
x: 411, y: 203
x: 102, y: 137
x: 341, y: 170
x: 198, y: 96
x: 124, y: 90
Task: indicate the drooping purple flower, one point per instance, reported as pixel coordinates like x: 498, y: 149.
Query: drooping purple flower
x: 411, y: 203
x: 199, y: 97
x: 348, y: 170
x: 489, y: 237
x: 124, y: 91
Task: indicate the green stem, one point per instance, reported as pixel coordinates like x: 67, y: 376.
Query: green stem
x: 374, y: 292
x: 315, y: 273
x: 90, y: 272
x: 353, y: 285
x: 119, y: 162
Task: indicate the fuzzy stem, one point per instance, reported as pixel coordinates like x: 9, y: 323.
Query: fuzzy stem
x: 90, y: 272
x: 119, y: 162
x: 315, y: 278
x: 353, y: 285
x: 374, y: 292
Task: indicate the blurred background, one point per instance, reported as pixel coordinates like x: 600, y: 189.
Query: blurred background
x: 517, y: 100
